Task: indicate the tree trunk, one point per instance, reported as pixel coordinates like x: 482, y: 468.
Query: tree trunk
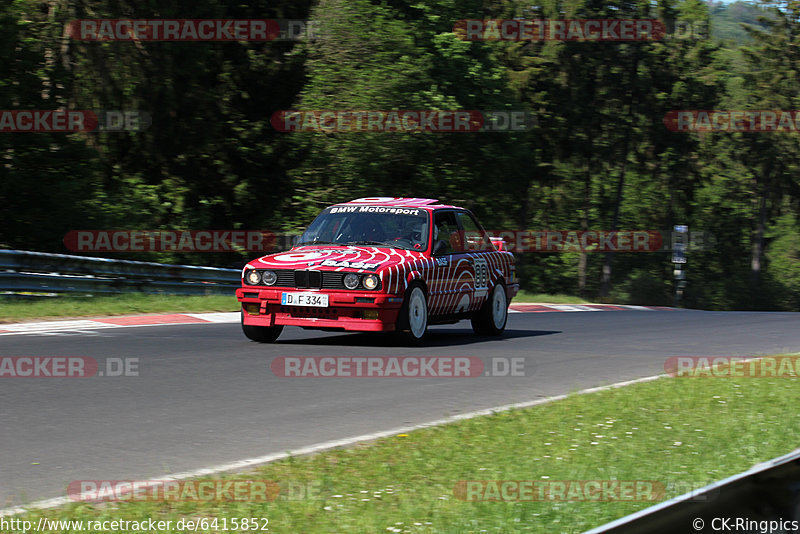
x: 605, y: 286
x: 757, y: 250
x: 587, y: 204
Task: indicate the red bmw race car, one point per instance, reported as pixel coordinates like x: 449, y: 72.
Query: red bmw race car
x: 381, y: 264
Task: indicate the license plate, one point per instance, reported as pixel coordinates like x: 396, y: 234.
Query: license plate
x: 304, y: 299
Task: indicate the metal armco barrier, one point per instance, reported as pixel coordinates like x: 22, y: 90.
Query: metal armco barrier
x: 760, y: 499
x: 22, y: 271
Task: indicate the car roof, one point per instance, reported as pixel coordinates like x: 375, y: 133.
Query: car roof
x: 425, y: 203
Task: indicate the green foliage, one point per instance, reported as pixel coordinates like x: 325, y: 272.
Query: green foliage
x: 783, y: 254
x: 727, y: 21
x: 372, y: 57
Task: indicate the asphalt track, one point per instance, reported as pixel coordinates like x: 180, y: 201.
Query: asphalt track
x: 205, y: 395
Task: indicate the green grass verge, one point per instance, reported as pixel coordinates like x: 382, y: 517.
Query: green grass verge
x: 683, y: 432
x: 16, y: 309
x: 525, y: 296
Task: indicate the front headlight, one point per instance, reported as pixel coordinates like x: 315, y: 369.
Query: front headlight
x: 252, y: 277
x: 351, y: 281
x: 269, y: 278
x: 370, y: 281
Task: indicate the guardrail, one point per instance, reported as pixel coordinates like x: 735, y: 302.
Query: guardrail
x: 38, y: 272
x: 765, y: 498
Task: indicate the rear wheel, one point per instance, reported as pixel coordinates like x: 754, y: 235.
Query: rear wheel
x: 492, y: 317
x: 412, y: 322
x: 261, y: 334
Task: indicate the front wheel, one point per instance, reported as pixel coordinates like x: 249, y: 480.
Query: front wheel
x: 492, y: 317
x: 412, y: 322
x: 261, y: 334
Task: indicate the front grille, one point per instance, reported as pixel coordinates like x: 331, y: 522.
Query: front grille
x: 332, y: 280
x: 308, y: 279
x: 285, y: 278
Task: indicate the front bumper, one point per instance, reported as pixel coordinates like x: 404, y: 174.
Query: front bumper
x: 347, y: 310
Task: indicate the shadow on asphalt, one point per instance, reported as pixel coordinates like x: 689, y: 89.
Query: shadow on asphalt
x: 435, y: 338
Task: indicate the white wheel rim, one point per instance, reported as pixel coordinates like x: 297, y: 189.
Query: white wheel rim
x: 417, y: 313
x: 499, y: 308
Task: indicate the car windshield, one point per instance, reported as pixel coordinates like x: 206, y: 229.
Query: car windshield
x: 405, y: 228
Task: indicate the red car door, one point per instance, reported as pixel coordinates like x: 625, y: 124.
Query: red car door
x: 476, y: 247
x: 453, y: 291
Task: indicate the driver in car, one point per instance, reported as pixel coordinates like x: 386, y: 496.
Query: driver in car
x: 413, y: 231
x: 367, y: 229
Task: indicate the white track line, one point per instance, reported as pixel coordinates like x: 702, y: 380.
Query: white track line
x: 334, y: 444
x: 89, y: 324
x: 220, y: 317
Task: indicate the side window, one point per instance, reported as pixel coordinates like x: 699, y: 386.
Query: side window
x: 475, y: 239
x: 445, y: 229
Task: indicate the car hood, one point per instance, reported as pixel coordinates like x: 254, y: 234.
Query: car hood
x: 331, y: 258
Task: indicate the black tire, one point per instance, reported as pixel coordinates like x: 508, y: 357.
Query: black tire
x: 261, y: 334
x: 412, y: 321
x: 491, y: 319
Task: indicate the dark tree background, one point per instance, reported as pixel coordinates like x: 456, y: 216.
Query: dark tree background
x: 599, y: 156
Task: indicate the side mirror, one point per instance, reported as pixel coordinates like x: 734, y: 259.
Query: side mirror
x: 499, y: 243
x: 439, y: 248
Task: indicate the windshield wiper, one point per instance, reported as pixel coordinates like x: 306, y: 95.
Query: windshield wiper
x: 380, y: 243
x: 315, y: 242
